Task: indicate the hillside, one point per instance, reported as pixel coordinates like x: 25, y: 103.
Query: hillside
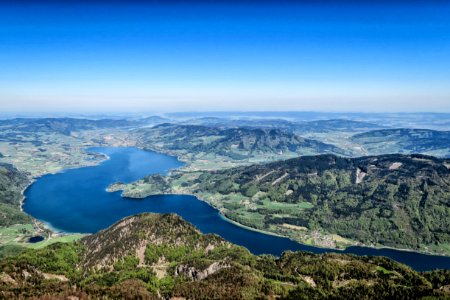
x: 390, y: 200
x: 12, y: 219
x: 424, y: 141
x: 195, y: 142
x: 12, y: 182
x: 150, y: 256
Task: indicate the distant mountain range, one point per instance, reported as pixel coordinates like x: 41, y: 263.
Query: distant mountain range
x: 234, y: 143
x: 405, y: 141
x: 68, y: 125
x: 330, y: 125
x: 151, y: 256
x: 240, y: 139
x: 240, y: 122
x: 437, y: 121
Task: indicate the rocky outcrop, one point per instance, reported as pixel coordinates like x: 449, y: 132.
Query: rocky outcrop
x: 195, y: 274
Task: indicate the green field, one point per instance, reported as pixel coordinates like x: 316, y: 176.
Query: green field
x: 57, y: 239
x: 19, y: 234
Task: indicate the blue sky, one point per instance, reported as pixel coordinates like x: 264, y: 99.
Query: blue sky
x: 328, y: 56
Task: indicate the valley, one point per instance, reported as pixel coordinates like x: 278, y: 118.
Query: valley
x: 305, y: 181
x: 241, y: 150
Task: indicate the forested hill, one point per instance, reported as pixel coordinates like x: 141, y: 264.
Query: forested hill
x: 405, y: 141
x: 151, y: 256
x: 235, y: 143
x: 12, y: 182
x: 393, y: 200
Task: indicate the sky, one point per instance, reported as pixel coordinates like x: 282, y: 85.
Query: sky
x: 369, y: 56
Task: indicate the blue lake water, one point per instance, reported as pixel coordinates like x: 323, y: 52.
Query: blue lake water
x: 76, y: 201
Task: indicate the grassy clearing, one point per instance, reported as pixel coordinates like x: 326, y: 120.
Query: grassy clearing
x: 273, y: 205
x: 52, y: 240
x: 441, y: 248
x: 384, y: 271
x: 15, y: 233
x: 18, y: 235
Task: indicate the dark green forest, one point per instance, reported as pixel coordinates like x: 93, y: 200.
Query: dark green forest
x: 392, y: 200
x: 12, y: 182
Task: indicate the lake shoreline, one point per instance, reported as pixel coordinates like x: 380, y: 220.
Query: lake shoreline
x: 116, y: 170
x: 44, y: 226
x: 338, y: 250
x: 222, y: 215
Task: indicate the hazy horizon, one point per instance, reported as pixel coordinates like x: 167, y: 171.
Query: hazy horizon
x: 307, y: 115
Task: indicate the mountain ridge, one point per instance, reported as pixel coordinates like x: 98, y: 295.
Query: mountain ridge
x: 196, y: 266
x: 239, y: 145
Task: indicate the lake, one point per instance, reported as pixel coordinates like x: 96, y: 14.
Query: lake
x: 76, y: 200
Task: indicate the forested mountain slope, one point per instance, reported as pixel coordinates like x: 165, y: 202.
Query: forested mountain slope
x: 390, y: 200
x: 230, y: 143
x: 152, y: 256
x: 12, y: 182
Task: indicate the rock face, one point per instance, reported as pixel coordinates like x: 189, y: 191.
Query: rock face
x: 151, y: 256
x: 194, y: 274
